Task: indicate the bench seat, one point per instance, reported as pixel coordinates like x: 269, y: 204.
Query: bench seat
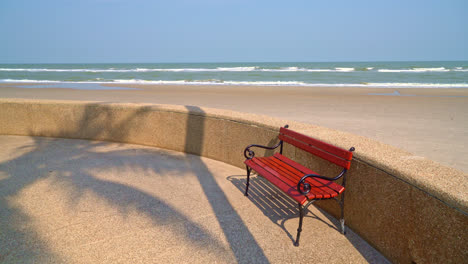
x: 285, y: 173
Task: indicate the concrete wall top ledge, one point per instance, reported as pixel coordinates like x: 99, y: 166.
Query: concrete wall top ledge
x: 444, y: 183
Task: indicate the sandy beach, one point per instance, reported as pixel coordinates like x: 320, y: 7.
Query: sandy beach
x: 432, y: 123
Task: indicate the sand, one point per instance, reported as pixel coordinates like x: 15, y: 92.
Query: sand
x: 432, y: 123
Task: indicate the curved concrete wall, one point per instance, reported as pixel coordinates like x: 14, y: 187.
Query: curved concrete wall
x: 411, y: 209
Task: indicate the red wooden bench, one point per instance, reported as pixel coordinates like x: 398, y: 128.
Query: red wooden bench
x: 300, y: 183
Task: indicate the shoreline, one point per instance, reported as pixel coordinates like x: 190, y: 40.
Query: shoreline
x: 430, y: 123
x: 241, y: 84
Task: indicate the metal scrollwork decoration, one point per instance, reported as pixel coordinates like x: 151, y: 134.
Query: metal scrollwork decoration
x: 305, y: 187
x: 248, y: 153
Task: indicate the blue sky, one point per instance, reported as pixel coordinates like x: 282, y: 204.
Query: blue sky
x: 89, y: 31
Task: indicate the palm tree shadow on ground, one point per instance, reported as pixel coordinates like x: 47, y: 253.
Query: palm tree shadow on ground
x: 239, y: 235
x: 71, y: 167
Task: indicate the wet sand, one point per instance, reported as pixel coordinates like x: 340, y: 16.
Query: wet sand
x: 427, y: 122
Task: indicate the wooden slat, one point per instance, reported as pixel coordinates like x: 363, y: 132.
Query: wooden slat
x: 285, y: 174
x: 337, y: 151
x: 291, y: 177
x: 317, y: 186
x: 274, y: 171
x: 326, y: 186
x: 332, y: 185
x: 322, y: 154
x: 291, y: 192
x: 292, y: 186
x: 293, y: 180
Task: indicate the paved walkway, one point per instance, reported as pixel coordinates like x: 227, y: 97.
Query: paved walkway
x: 76, y: 201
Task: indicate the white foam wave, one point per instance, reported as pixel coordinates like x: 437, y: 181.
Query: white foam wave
x: 233, y: 69
x: 27, y: 81
x: 344, y: 69
x: 237, y: 69
x: 419, y: 85
x: 388, y: 70
x: 218, y: 69
x: 432, y: 69
x: 252, y: 83
x: 285, y: 69
x: 51, y: 70
x: 295, y: 69
x: 176, y: 82
x: 215, y: 82
x: 440, y: 69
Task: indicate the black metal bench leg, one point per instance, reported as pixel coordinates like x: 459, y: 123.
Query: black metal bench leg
x: 248, y: 180
x: 299, y: 229
x: 342, y: 220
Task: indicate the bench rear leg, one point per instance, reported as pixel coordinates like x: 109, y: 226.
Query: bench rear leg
x: 248, y: 180
x: 342, y: 220
x: 299, y: 229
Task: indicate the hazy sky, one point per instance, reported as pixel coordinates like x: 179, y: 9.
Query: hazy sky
x: 35, y: 31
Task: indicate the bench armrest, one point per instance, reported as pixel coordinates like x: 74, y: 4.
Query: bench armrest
x: 306, y: 186
x: 250, y: 154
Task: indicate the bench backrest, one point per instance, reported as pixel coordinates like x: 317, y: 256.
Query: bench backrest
x: 339, y: 156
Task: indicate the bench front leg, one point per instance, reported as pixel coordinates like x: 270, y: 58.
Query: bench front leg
x: 299, y: 229
x: 248, y: 180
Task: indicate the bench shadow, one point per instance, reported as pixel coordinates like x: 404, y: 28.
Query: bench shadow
x: 279, y: 208
x: 273, y: 203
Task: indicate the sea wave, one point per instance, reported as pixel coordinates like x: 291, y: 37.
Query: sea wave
x: 239, y: 69
x: 297, y: 69
x: 418, y: 85
x: 439, y: 69
x: 344, y: 69
x: 28, y: 81
x: 175, y: 82
x: 218, y: 69
x: 250, y: 83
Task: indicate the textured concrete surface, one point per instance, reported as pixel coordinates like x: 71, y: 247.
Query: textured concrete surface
x: 408, y: 207
x: 78, y: 201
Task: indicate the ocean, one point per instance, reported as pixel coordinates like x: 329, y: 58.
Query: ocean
x: 443, y: 74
